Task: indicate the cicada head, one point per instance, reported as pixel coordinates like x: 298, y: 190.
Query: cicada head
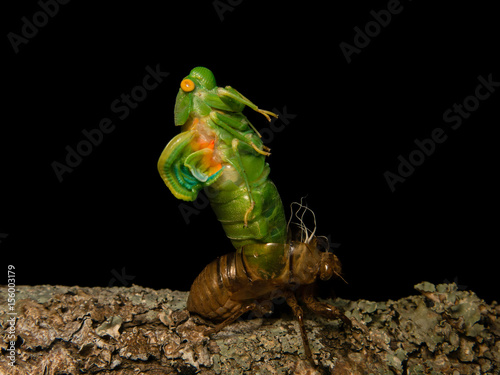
x: 199, y: 79
x: 312, y: 260
x: 329, y: 263
x: 203, y: 76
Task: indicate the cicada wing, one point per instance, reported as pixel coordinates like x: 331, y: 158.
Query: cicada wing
x: 202, y: 166
x: 186, y: 170
x: 174, y: 173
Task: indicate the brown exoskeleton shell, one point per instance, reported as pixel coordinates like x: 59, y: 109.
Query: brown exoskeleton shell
x: 239, y: 282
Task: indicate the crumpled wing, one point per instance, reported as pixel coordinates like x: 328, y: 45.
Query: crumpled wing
x: 186, y: 170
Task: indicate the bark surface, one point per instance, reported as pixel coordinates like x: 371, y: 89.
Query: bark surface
x: 136, y: 330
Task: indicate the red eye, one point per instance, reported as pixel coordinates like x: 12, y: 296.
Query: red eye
x: 187, y: 85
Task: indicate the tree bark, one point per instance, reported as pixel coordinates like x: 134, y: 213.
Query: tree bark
x: 75, y: 330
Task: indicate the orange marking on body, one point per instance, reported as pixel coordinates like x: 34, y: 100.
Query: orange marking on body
x: 201, y: 143
x: 204, y: 141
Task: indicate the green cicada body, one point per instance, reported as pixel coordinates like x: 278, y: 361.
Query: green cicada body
x: 219, y: 149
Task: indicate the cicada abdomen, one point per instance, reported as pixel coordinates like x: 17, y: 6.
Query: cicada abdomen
x: 229, y: 199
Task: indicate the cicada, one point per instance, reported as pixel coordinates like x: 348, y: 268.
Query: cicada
x: 219, y: 148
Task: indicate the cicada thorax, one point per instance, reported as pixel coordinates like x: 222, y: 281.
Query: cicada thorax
x: 204, y: 146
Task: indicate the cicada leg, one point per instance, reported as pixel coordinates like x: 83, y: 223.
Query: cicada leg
x: 265, y: 153
x: 233, y: 127
x: 299, y: 314
x: 322, y: 308
x: 232, y: 318
x: 236, y: 95
x: 248, y: 212
x: 242, y: 173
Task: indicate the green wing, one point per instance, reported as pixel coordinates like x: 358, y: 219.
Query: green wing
x: 184, y: 170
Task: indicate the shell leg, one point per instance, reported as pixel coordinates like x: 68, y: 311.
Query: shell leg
x: 244, y: 308
x: 299, y: 314
x: 322, y: 308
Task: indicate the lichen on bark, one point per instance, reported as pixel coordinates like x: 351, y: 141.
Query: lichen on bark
x: 136, y: 330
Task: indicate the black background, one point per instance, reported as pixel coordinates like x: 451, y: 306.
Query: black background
x: 113, y: 214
